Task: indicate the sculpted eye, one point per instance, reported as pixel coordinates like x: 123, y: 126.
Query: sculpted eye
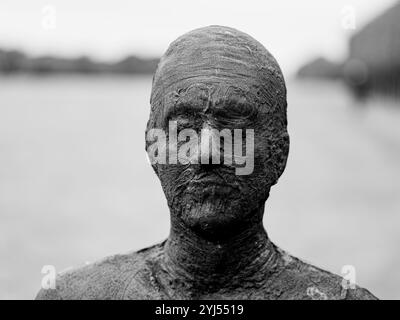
x: 244, y: 110
x: 236, y: 114
x: 186, y: 121
x: 183, y: 123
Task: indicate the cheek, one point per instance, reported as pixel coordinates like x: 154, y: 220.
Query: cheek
x: 271, y: 154
x: 173, y: 178
x: 264, y: 167
x: 169, y: 174
x: 262, y: 153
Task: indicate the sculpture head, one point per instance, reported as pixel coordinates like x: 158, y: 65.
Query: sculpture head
x: 213, y: 79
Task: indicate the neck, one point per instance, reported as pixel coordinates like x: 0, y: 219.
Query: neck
x: 221, y: 262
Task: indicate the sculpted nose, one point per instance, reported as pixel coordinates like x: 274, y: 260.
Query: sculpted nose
x: 209, y: 151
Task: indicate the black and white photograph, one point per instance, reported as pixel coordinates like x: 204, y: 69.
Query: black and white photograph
x: 218, y: 151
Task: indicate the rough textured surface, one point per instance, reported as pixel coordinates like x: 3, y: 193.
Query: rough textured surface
x: 221, y: 78
x: 142, y: 275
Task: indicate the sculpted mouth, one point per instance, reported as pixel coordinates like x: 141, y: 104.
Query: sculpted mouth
x: 208, y: 178
x: 211, y: 180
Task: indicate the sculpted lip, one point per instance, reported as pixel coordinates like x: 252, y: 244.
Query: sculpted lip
x: 208, y: 178
x: 209, y: 186
x: 211, y: 179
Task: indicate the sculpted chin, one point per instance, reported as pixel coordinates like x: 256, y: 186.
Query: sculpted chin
x: 213, y: 78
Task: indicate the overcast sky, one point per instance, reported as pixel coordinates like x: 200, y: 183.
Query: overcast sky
x: 293, y: 31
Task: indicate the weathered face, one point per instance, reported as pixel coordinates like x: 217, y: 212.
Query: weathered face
x: 217, y: 199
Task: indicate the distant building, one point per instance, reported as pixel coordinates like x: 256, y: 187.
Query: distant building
x: 320, y: 68
x: 374, y: 55
x: 13, y: 61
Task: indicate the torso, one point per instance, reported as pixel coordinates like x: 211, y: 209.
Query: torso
x: 141, y: 275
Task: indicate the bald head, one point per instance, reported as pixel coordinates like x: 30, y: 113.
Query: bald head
x: 223, y: 58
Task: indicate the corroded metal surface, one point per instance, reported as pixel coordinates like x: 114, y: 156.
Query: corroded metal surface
x: 218, y: 247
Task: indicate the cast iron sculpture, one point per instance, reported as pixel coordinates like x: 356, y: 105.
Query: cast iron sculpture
x: 213, y: 77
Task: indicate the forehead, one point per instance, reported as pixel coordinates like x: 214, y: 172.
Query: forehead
x: 208, y: 95
x: 201, y: 98
x: 216, y: 67
x: 219, y: 57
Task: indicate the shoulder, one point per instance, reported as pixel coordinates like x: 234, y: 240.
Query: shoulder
x: 302, y: 280
x: 109, y: 278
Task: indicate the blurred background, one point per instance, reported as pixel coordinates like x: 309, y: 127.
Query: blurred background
x: 75, y: 81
